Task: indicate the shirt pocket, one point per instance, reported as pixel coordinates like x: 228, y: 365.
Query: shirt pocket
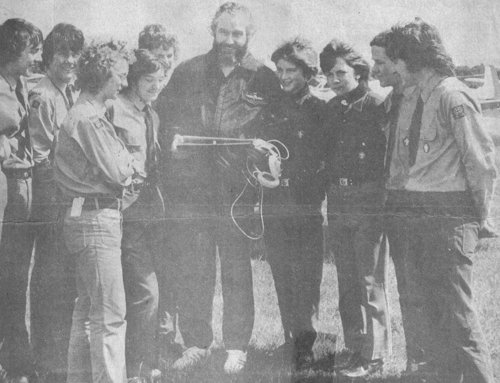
x: 132, y: 140
x: 430, y: 135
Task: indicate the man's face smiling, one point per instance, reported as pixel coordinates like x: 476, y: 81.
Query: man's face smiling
x: 230, y: 38
x: 26, y: 61
x: 63, y: 66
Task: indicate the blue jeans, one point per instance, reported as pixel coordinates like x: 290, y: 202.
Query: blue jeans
x: 97, y: 343
x: 15, y: 256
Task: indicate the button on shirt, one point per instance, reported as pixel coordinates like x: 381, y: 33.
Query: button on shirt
x: 90, y: 159
x: 128, y: 116
x: 454, y: 152
x: 14, y: 124
x: 49, y: 106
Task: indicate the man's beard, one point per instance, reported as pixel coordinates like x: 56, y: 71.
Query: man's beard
x: 229, y: 54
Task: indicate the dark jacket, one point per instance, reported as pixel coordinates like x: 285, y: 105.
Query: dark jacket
x: 355, y: 144
x: 200, y: 101
x: 297, y: 123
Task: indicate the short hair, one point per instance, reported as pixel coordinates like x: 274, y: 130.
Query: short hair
x: 64, y: 38
x: 337, y: 49
x: 96, y: 61
x: 419, y: 45
x: 155, y: 36
x: 145, y: 63
x: 299, y: 52
x: 232, y: 8
x: 15, y: 36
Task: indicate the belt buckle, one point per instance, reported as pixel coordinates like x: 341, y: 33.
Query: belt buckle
x: 344, y: 181
x: 285, y: 182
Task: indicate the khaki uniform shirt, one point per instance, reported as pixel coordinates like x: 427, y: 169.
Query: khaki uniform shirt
x: 90, y: 159
x: 14, y: 124
x: 454, y: 153
x: 49, y: 106
x: 128, y: 116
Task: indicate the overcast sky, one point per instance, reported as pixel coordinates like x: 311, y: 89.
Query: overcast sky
x: 470, y: 28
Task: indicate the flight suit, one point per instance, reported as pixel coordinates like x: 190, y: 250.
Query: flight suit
x: 437, y: 197
x: 355, y: 163
x: 92, y: 168
x: 16, y: 244
x: 293, y: 232
x: 200, y: 187
x: 53, y: 289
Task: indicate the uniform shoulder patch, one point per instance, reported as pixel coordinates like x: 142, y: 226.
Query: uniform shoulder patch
x: 458, y: 112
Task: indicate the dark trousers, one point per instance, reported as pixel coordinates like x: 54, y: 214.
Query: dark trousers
x: 53, y: 290
x: 16, y: 248
x: 355, y: 219
x: 433, y: 261
x: 294, y: 250
x: 140, y: 244
x: 191, y: 246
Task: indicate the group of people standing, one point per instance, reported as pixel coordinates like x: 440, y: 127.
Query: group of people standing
x: 126, y: 226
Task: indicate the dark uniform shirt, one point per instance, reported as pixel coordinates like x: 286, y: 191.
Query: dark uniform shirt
x: 356, y: 139
x: 199, y: 100
x: 297, y: 123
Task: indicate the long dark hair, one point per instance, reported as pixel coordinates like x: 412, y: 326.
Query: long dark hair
x: 419, y: 45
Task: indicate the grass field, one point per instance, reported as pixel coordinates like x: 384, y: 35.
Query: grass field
x: 265, y: 360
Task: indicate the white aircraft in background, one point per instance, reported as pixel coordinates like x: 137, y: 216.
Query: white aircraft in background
x: 487, y: 89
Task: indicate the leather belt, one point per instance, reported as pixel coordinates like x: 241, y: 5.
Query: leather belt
x: 346, y: 182
x: 18, y: 173
x: 94, y: 203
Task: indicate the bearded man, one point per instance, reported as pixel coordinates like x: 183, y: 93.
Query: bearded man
x: 217, y: 94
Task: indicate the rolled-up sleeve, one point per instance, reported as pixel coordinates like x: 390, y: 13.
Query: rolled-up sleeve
x: 475, y: 145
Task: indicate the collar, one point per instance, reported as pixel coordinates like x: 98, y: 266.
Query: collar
x: 430, y: 81
x: 301, y: 95
x: 100, y: 110
x: 354, y: 96
x: 11, y: 87
x: 138, y: 103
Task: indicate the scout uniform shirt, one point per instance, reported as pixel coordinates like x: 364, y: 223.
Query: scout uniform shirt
x: 14, y: 123
x: 90, y: 159
x: 127, y: 113
x: 49, y: 106
x: 454, y: 151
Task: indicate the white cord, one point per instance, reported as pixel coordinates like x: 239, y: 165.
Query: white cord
x: 261, y: 200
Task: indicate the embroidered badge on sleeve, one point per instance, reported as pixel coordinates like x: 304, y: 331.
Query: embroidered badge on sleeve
x: 458, y: 112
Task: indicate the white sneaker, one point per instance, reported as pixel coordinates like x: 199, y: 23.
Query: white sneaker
x: 235, y: 362
x: 191, y: 358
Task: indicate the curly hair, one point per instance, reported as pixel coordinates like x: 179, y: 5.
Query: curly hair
x: 155, y: 36
x: 232, y: 8
x: 145, y: 63
x: 338, y: 49
x: 15, y: 36
x: 96, y: 62
x: 300, y: 52
x: 419, y: 45
x: 64, y: 38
